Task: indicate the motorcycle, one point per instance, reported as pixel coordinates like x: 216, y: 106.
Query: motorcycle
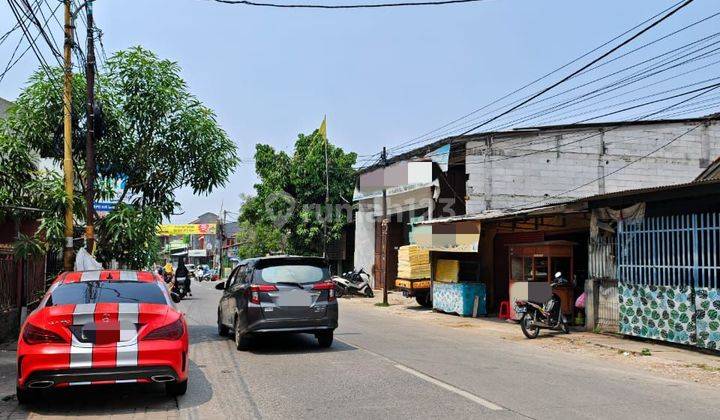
x: 353, y: 282
x: 536, y: 316
x: 180, y: 287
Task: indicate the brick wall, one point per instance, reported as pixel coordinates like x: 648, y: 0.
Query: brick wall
x: 519, y: 170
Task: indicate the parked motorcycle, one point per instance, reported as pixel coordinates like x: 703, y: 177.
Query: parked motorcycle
x: 353, y: 282
x: 537, y: 316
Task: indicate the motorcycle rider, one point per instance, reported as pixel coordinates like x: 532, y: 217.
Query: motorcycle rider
x: 182, y: 271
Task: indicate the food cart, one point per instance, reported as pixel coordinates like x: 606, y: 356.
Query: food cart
x: 532, y: 269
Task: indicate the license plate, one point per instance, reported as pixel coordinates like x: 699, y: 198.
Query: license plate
x: 294, y: 298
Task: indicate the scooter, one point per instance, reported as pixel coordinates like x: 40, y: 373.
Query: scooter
x: 353, y: 282
x: 537, y: 316
x: 180, y: 287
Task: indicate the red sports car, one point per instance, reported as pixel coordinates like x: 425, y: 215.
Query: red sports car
x: 103, y: 327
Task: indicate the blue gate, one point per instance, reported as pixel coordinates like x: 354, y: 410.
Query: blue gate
x: 668, y: 268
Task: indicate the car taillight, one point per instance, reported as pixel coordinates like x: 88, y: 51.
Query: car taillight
x: 255, y: 290
x: 326, y: 285
x: 173, y: 331
x: 37, y: 335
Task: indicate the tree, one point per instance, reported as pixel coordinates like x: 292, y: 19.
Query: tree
x: 156, y: 136
x: 291, y: 193
x: 255, y: 239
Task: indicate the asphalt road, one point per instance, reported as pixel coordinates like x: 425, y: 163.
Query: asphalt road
x: 384, y: 366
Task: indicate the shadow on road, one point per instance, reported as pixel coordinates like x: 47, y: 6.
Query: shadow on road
x: 293, y: 344
x: 203, y: 334
x: 120, y: 399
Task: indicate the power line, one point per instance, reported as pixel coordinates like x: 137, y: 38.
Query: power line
x: 345, y: 6
x: 413, y: 140
x: 642, y: 74
x: 585, y: 67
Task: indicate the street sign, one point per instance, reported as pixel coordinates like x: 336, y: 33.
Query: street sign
x: 104, y: 206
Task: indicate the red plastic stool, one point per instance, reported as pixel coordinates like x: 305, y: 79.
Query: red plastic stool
x: 504, y: 312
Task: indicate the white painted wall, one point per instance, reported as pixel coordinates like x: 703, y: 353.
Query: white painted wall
x: 496, y: 182
x: 364, y: 240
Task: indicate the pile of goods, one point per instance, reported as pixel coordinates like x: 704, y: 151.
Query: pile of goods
x: 413, y: 262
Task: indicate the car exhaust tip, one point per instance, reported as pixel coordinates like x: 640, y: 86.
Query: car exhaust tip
x: 162, y: 378
x: 40, y: 384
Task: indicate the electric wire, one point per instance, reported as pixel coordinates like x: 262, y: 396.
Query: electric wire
x: 345, y: 6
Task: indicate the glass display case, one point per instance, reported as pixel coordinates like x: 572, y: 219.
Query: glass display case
x: 532, y: 270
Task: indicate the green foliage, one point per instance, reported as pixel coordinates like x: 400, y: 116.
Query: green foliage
x: 128, y: 236
x: 257, y: 239
x: 155, y: 135
x: 28, y: 247
x: 291, y: 193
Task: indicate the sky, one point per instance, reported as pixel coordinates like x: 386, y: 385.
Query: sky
x: 382, y: 76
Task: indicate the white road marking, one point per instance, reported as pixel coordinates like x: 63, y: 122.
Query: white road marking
x: 444, y: 385
x: 472, y: 397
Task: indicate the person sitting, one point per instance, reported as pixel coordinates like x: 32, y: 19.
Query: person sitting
x: 182, y: 271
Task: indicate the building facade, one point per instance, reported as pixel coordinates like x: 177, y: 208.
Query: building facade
x: 530, y: 167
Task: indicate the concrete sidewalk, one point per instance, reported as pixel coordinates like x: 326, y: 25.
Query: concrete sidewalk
x: 667, y: 359
x: 7, y: 370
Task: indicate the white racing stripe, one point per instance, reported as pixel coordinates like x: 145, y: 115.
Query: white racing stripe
x: 127, y: 347
x: 472, y: 397
x: 128, y: 275
x: 81, y: 353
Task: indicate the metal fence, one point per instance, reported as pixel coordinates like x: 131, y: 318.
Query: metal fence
x: 601, y: 258
x: 8, y: 282
x: 608, y: 316
x: 670, y: 250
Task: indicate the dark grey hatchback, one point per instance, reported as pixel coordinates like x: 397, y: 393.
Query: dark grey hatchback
x: 278, y: 294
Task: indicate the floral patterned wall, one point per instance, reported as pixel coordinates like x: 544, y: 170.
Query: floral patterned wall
x: 707, y: 303
x: 664, y: 313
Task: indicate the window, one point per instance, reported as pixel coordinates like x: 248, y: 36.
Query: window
x: 291, y: 273
x: 106, y: 292
x: 231, y: 278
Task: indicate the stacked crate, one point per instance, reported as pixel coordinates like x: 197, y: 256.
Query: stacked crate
x: 413, y: 262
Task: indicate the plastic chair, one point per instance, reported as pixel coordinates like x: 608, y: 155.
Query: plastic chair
x: 504, y: 312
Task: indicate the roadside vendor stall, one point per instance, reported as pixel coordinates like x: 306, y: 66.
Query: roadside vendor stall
x: 456, y: 283
x: 532, y: 269
x: 457, y: 287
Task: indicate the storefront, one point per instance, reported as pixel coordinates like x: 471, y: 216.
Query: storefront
x: 511, y: 255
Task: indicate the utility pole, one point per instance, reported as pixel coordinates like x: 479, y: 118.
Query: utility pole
x: 384, y: 232
x: 327, y: 195
x: 90, y: 141
x: 67, y: 130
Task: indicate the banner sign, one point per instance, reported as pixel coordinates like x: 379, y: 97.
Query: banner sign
x: 190, y: 229
x: 197, y: 253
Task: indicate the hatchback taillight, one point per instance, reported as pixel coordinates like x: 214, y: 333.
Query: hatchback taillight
x: 173, y: 331
x: 326, y: 285
x: 37, y: 335
x: 255, y: 290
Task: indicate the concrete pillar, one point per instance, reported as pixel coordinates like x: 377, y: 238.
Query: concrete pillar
x: 591, y: 303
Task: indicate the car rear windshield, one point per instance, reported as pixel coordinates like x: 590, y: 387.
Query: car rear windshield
x: 106, y: 292
x: 293, y: 273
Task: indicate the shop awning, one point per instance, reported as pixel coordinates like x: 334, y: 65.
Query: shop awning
x: 448, y: 237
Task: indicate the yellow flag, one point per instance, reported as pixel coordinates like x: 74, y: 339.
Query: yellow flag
x: 323, y: 128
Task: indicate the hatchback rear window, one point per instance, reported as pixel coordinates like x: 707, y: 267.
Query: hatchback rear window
x: 293, y: 273
x: 106, y: 292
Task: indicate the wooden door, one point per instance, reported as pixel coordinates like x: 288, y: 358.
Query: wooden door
x: 377, y: 266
